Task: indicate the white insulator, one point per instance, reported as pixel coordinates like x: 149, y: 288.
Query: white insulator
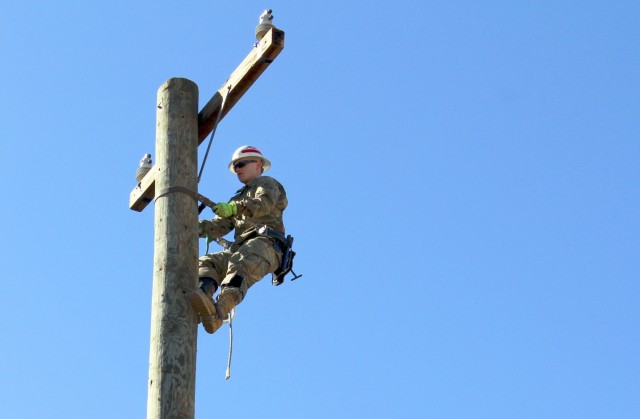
x: 145, y: 166
x: 265, y: 24
x: 141, y: 173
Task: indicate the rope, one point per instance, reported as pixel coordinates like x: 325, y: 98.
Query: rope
x: 232, y: 314
x: 202, y: 206
x: 213, y: 131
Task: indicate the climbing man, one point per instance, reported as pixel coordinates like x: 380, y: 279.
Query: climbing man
x: 255, y: 212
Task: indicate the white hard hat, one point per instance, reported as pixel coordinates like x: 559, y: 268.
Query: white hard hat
x: 248, y: 151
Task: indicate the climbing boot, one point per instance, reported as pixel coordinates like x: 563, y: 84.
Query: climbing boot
x: 228, y: 298
x: 202, y: 302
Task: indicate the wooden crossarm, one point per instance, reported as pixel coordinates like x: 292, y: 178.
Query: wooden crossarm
x: 144, y: 193
x: 242, y: 78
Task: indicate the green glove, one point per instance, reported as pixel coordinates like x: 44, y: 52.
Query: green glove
x: 225, y: 210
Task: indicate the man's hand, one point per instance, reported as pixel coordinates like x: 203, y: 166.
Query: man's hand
x: 224, y: 210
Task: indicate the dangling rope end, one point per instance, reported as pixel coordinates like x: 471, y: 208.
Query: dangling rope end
x: 232, y: 314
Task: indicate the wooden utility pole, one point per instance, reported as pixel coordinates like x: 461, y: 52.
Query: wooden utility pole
x: 172, y: 354
x: 180, y: 129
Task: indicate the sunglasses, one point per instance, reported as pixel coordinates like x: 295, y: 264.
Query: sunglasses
x: 243, y: 163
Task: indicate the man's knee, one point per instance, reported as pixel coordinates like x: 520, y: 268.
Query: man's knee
x: 235, y: 281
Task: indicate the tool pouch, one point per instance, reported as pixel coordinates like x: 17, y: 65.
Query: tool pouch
x: 285, y: 246
x: 286, y: 263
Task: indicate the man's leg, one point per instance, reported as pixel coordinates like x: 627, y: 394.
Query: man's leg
x: 212, y: 268
x: 253, y: 260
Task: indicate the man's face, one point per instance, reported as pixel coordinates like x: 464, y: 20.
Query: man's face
x: 248, y: 169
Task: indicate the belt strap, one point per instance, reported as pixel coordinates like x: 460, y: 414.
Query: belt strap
x: 272, y: 233
x: 193, y: 194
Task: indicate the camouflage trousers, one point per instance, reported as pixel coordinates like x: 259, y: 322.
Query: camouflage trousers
x: 252, y: 260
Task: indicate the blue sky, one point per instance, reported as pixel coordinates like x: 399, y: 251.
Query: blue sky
x: 463, y: 186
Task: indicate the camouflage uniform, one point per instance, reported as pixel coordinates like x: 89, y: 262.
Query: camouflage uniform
x: 260, y: 202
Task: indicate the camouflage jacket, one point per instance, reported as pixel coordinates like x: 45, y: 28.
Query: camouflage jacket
x: 260, y: 202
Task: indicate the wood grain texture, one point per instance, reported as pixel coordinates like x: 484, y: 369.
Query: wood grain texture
x: 172, y: 353
x: 242, y: 78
